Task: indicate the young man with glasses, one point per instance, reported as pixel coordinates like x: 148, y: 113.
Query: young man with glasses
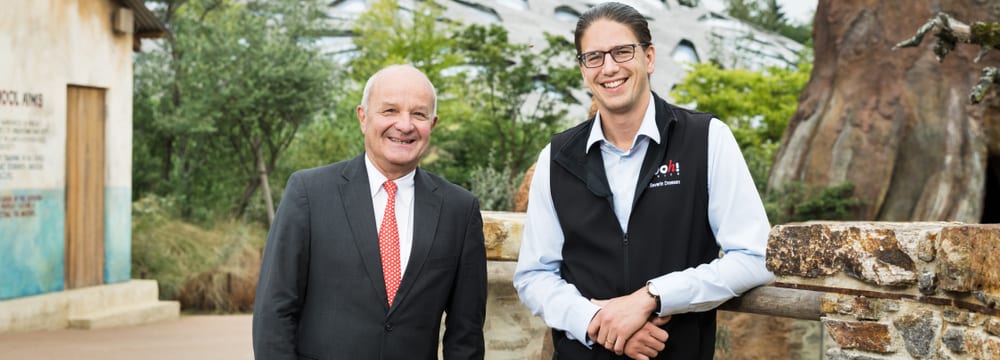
x: 627, y: 213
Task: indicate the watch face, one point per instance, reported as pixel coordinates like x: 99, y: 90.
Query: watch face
x: 652, y: 290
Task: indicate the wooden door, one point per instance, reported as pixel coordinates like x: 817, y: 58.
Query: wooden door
x: 85, y: 118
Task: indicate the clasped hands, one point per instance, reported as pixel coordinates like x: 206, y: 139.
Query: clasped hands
x: 625, y: 325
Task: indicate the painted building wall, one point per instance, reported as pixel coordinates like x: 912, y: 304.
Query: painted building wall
x: 46, y: 46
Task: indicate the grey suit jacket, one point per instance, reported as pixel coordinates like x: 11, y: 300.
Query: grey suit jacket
x: 321, y: 293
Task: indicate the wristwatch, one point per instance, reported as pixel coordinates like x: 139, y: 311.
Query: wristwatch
x: 655, y: 295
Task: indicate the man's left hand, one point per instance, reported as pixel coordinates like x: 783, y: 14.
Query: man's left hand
x: 649, y: 341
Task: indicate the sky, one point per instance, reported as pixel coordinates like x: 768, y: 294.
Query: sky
x: 799, y: 11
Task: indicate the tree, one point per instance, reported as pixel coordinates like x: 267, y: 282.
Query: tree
x: 755, y: 105
x: 388, y: 34
x: 745, y: 10
x: 498, y: 102
x: 385, y: 34
x: 224, y: 97
x: 517, y: 98
x: 770, y: 16
x: 950, y: 33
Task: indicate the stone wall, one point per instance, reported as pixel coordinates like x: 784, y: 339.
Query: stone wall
x: 897, y: 290
x: 512, y: 333
x: 889, y: 290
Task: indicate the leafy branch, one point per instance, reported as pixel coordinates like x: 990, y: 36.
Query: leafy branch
x: 950, y: 33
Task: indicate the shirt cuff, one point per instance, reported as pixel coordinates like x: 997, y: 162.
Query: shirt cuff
x: 658, y: 311
x: 675, y: 294
x: 579, y: 321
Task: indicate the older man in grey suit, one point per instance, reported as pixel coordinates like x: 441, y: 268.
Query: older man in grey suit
x: 366, y: 255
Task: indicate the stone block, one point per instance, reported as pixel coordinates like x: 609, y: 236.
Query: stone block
x: 832, y: 303
x: 967, y: 261
x: 503, y: 232
x: 954, y: 340
x: 861, y: 307
x: 837, y: 354
x: 982, y: 346
x: 927, y: 283
x: 864, y: 336
x: 806, y: 250
x: 869, y: 309
x: 943, y: 354
x: 927, y: 247
x: 961, y: 317
x: 988, y: 298
x: 869, y: 252
x: 874, y: 256
x: 919, y: 333
x: 992, y: 326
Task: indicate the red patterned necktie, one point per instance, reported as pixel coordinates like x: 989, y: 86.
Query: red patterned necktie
x: 388, y: 243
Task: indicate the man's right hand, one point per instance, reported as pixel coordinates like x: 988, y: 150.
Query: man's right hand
x: 619, y: 318
x: 647, y: 343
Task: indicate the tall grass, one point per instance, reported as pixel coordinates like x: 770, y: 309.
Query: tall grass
x: 207, y: 269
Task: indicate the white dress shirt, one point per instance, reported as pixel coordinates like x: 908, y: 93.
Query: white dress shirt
x: 736, y: 216
x: 404, y: 208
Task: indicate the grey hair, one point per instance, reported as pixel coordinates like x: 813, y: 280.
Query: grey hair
x: 371, y: 80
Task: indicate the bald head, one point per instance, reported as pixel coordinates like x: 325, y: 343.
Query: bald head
x: 392, y: 73
x: 396, y: 115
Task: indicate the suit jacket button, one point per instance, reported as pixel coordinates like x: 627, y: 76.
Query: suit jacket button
x: 388, y: 327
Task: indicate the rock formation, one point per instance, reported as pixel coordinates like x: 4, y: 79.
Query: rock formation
x: 896, y: 124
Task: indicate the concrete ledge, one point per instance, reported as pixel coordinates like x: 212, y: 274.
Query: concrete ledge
x: 127, y: 316
x: 38, y: 312
x: 54, y: 310
x: 100, y: 298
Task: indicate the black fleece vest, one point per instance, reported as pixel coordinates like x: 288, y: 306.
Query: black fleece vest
x: 668, y: 229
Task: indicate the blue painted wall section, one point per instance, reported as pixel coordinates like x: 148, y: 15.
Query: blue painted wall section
x: 32, y: 231
x: 117, y: 234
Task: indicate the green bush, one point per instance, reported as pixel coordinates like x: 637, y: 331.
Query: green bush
x: 493, y: 188
x: 795, y: 203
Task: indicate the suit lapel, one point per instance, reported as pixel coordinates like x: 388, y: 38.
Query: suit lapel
x: 360, y: 215
x: 426, y: 213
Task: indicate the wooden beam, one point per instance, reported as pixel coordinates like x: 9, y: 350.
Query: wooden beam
x: 777, y: 301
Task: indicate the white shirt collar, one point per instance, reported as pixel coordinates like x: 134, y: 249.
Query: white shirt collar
x: 647, y: 128
x: 376, y: 179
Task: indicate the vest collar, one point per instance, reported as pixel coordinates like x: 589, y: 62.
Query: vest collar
x: 647, y: 128
x: 588, y: 165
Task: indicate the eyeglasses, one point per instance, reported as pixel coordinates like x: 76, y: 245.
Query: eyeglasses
x: 620, y: 54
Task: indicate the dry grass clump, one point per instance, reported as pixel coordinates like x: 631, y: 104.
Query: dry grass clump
x: 211, y: 269
x: 229, y: 287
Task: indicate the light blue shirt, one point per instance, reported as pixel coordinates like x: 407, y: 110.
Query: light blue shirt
x: 735, y: 212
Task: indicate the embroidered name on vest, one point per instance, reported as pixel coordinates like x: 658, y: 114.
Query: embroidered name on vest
x: 666, y: 175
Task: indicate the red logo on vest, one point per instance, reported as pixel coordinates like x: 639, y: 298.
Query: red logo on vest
x: 667, y: 174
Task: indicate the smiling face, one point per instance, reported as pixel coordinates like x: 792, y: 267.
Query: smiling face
x: 398, y: 120
x: 619, y: 88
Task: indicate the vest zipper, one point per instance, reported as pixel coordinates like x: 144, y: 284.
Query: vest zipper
x: 625, y: 250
